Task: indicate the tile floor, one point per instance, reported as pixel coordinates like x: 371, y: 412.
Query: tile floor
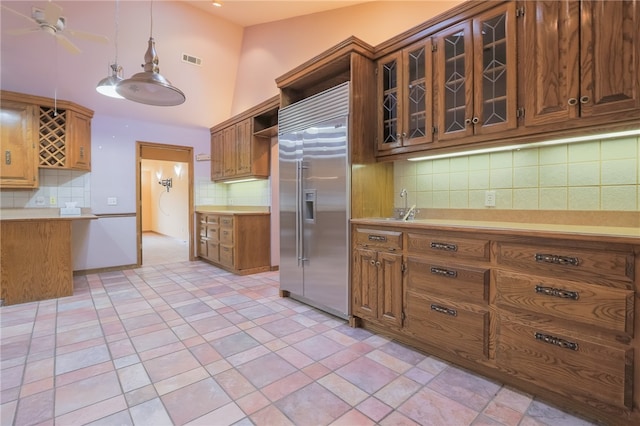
x: 187, y: 343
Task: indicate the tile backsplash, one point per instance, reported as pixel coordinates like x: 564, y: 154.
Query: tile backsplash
x: 56, y: 188
x: 60, y: 186
x: 254, y: 193
x: 595, y: 175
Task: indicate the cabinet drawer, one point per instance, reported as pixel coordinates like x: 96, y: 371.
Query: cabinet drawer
x: 212, y: 219
x: 378, y: 238
x: 564, y: 364
x: 212, y: 233
x: 202, y: 230
x: 460, y: 330
x: 213, y: 253
x: 226, y: 221
x: 226, y: 255
x: 594, y: 264
x: 445, y: 245
x: 591, y: 304
x: 226, y: 235
x: 202, y: 248
x: 446, y: 279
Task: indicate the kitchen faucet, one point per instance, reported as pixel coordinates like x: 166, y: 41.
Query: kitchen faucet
x: 403, y: 194
x: 407, y: 212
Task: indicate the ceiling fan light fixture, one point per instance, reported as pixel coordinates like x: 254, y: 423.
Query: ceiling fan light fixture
x: 107, y: 86
x: 150, y: 87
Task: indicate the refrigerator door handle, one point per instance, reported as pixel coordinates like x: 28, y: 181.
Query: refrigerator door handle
x: 299, y: 231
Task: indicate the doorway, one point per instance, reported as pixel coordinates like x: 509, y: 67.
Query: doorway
x: 161, y: 170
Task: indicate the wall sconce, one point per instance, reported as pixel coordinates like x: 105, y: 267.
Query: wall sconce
x: 167, y: 183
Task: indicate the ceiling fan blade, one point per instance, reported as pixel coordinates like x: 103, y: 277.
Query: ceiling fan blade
x: 87, y: 36
x: 52, y: 13
x: 23, y: 31
x: 67, y: 44
x: 29, y: 18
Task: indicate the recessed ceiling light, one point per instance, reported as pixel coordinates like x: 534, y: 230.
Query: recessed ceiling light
x: 216, y: 3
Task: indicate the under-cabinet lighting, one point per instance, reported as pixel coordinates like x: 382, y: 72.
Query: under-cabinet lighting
x: 574, y: 139
x: 239, y: 180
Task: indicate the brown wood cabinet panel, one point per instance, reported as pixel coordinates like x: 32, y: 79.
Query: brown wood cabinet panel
x: 595, y: 266
x: 589, y: 304
x: 580, y: 59
x: 462, y: 330
x: 378, y: 238
x: 243, y: 146
x: 78, y: 140
x: 390, y: 288
x: 459, y: 282
x: 447, y: 244
x: 364, y: 290
x: 19, y: 135
x: 476, y: 75
x: 36, y: 260
x: 609, y: 57
x: 239, y: 243
x: 229, y: 152
x: 586, y: 370
x: 217, y: 155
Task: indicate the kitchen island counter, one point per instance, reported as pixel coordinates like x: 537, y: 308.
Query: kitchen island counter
x: 36, y: 254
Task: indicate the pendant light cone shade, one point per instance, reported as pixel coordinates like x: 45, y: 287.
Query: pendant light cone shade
x: 107, y: 86
x: 150, y: 87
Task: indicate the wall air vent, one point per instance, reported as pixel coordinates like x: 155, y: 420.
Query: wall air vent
x: 191, y: 59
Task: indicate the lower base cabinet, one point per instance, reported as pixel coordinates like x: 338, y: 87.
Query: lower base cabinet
x: 237, y: 242
x: 552, y: 316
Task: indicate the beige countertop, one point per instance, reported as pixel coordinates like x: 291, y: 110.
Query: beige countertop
x: 234, y: 209
x: 42, y: 214
x: 629, y: 235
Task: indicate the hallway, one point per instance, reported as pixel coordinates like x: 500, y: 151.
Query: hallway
x: 188, y: 343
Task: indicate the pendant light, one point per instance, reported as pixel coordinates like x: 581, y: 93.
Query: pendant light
x: 107, y: 86
x: 150, y: 87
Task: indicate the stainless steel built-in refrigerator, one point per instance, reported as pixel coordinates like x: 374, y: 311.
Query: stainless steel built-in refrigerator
x: 314, y: 200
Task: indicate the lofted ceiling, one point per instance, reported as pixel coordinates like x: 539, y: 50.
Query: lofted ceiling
x: 253, y: 12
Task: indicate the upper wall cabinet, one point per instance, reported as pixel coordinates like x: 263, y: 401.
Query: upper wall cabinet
x: 580, y: 59
x: 476, y: 75
x: 405, y: 108
x: 65, y: 138
x: 240, y: 146
x: 19, y: 136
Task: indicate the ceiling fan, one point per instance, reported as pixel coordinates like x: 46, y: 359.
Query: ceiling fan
x: 51, y: 21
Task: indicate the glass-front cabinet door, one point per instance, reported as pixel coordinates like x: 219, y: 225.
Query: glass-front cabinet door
x: 476, y: 75
x: 406, y: 104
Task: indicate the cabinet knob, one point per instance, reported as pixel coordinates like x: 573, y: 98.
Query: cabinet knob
x: 378, y: 263
x: 467, y: 121
x: 373, y: 262
x: 572, y: 101
x: 584, y: 99
x: 475, y: 120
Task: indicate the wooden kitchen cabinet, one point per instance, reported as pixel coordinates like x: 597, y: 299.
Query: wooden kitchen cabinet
x: 78, y: 141
x: 405, y: 109
x: 19, y: 135
x: 476, y: 75
x: 552, y: 315
x: 377, y: 276
x: 447, y: 292
x: 237, y: 242
x: 571, y: 305
x: 240, y: 146
x: 580, y: 59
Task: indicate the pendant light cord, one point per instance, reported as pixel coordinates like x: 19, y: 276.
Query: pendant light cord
x: 151, y: 30
x: 117, y: 28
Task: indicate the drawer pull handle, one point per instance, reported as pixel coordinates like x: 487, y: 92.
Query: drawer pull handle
x: 444, y: 246
x: 558, y: 292
x: 444, y: 272
x: 552, y: 340
x: 443, y: 310
x: 555, y: 259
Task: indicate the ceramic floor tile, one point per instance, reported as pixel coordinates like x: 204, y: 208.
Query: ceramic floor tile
x: 188, y: 343
x: 312, y: 405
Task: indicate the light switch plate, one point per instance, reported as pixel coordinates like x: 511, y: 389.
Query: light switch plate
x: 490, y: 198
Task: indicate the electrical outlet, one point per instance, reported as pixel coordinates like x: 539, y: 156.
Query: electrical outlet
x: 53, y: 201
x: 39, y: 200
x: 490, y: 198
x: 112, y: 201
